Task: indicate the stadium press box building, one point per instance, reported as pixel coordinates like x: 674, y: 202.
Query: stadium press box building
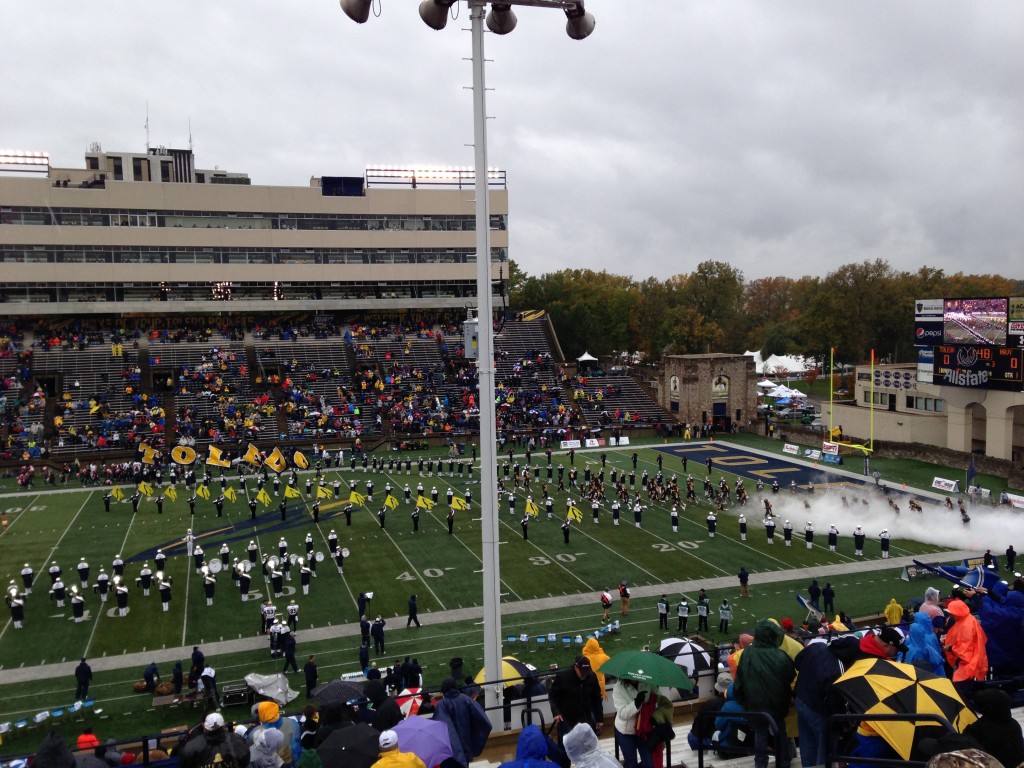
x: 131, y: 229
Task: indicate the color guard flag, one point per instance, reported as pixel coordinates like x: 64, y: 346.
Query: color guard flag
x: 323, y: 492
x: 203, y: 491
x: 575, y: 514
x: 117, y: 493
x: 458, y: 503
x: 424, y: 503
x: 291, y: 492
x: 391, y: 502
x: 972, y: 472
x: 263, y: 497
x: 145, y: 488
x: 171, y: 494
x: 532, y: 509
x: 230, y: 494
x: 354, y: 498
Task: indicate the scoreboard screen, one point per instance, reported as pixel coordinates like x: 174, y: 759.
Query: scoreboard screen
x: 962, y: 365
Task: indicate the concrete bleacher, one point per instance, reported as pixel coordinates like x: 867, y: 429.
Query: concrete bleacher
x: 606, y: 396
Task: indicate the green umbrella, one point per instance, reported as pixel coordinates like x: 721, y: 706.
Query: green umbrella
x: 646, y: 667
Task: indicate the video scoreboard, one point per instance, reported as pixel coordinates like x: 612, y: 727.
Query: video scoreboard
x: 971, y: 342
x: 963, y: 365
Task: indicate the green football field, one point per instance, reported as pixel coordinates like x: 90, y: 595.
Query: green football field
x: 394, y: 562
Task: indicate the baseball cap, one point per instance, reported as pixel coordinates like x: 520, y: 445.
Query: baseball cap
x: 213, y: 721
x: 723, y: 681
x: 892, y: 636
x: 388, y: 740
x: 583, y: 664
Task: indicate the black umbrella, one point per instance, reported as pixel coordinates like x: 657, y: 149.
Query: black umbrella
x: 354, y: 747
x: 336, y: 690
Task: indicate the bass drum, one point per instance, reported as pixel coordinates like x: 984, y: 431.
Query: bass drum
x: 215, y: 565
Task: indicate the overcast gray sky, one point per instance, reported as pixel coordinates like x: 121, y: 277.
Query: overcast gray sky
x: 786, y: 137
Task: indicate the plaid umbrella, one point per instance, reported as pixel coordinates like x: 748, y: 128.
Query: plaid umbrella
x: 686, y: 654
x: 409, y: 700
x: 512, y: 671
x: 882, y: 687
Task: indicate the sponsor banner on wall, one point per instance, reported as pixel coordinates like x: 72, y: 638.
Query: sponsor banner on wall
x: 1015, y: 316
x: 594, y: 442
x: 567, y: 444
x: 977, y: 490
x: 791, y: 449
x: 619, y: 441
x: 830, y: 448
x: 1015, y: 500
x: 830, y: 458
x: 952, y: 486
x: 812, y: 453
x: 928, y: 309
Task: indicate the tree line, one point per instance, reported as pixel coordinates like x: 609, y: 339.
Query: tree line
x: 856, y: 308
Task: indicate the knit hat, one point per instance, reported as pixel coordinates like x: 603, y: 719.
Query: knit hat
x: 787, y: 624
x: 213, y: 721
x: 268, y: 712
x: 388, y: 740
x: 723, y: 681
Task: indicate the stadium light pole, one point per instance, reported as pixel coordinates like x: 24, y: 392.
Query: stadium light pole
x: 501, y: 20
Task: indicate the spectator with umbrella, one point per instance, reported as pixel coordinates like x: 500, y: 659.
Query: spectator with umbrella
x: 468, y: 725
x: 427, y: 739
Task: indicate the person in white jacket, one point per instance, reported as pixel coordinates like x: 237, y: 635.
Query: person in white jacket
x: 627, y: 697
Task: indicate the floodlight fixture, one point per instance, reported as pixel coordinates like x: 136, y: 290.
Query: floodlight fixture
x: 357, y: 10
x: 579, y: 24
x: 501, y: 20
x: 435, y: 13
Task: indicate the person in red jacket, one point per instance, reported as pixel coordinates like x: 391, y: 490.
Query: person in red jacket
x: 87, y: 739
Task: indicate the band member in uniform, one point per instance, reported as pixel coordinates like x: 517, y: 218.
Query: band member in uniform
x: 160, y: 559
x: 106, y: 500
x: 219, y: 504
x: 55, y: 573
x: 282, y: 547
x: 674, y: 516
x: 192, y: 504
x: 309, y: 544
x: 243, y: 583
x: 252, y: 509
x: 117, y: 565
x: 77, y: 606
x: 833, y: 538
x: 809, y: 534
x: 164, y: 587
x: 121, y: 595
x: 381, y: 514
x: 451, y: 519
x: 339, y: 560
x: 565, y: 530
x: 276, y: 580
x: 199, y: 558
x: 102, y: 585
x: 858, y: 541
x: 209, y: 585
x: 712, y: 521
x: 27, y: 577
x: 16, y: 603
x: 415, y: 514
x: 787, y: 533
x: 525, y: 524
x: 332, y: 541
x: 283, y: 509
x: 305, y: 575
x: 145, y: 579
x: 224, y: 553
x: 316, y: 512
x: 348, y: 513
x: 252, y: 551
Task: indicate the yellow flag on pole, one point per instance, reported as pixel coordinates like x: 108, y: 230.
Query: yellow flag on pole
x: 202, y: 491
x: 230, y: 494
x: 356, y: 498
x: 291, y: 492
x: 532, y: 509
x: 458, y: 503
x: 145, y: 488
x: 575, y: 514
x: 391, y: 502
x: 323, y: 492
x: 263, y: 497
x: 171, y: 494
x: 117, y: 493
x: 424, y: 503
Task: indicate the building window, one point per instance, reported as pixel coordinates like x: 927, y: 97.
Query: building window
x: 118, y: 171
x: 165, y: 170
x: 92, y: 163
x: 137, y: 168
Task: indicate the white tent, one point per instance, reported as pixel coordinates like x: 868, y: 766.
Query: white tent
x: 586, y: 357
x: 793, y: 365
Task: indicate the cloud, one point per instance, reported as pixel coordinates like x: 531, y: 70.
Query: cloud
x: 788, y: 138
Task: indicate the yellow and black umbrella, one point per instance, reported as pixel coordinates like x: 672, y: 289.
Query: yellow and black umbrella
x: 512, y: 671
x: 883, y: 687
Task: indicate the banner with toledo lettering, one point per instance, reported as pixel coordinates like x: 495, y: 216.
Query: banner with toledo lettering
x: 185, y: 455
